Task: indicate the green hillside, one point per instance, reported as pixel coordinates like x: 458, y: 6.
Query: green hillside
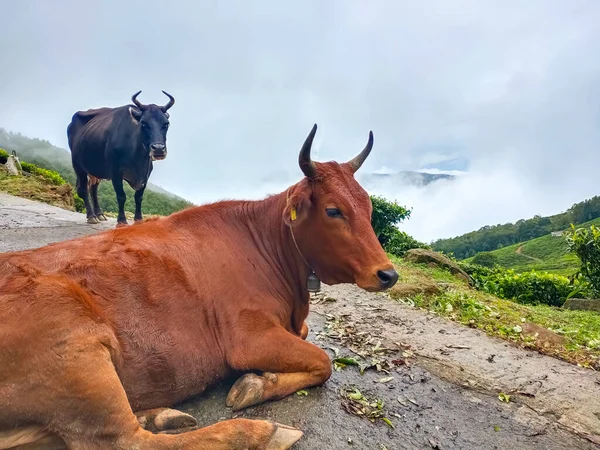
x: 494, y: 237
x: 43, y: 154
x: 544, y: 254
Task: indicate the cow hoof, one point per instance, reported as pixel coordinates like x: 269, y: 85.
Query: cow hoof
x: 284, y: 437
x: 92, y: 220
x: 246, y: 391
x: 122, y: 224
x: 101, y: 217
x: 162, y: 419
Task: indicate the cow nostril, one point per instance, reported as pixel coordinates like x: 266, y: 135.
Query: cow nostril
x: 157, y: 147
x: 387, y: 278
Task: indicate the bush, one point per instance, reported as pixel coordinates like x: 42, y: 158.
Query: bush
x: 3, y: 156
x: 50, y: 175
x: 585, y: 243
x: 386, y: 215
x: 400, y: 242
x: 486, y: 259
x: 79, y: 203
x: 526, y: 287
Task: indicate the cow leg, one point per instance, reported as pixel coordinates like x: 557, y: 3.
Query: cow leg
x: 288, y: 362
x: 82, y: 191
x: 95, y: 184
x: 138, y: 197
x: 117, y: 182
x: 96, y: 413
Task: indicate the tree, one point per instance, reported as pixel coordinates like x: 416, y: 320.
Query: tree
x: 585, y: 243
x: 386, y: 215
x: 485, y: 259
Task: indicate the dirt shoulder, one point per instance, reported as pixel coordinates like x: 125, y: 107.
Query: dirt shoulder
x: 555, y: 391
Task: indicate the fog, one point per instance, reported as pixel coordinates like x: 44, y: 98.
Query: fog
x: 507, y: 93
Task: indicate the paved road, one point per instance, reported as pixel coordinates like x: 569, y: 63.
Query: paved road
x: 431, y: 413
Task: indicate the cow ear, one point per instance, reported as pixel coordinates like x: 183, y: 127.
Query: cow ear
x: 297, y: 206
x: 135, y: 113
x: 167, y: 115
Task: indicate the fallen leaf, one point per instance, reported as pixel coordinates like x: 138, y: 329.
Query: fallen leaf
x: 388, y: 421
x: 504, y: 397
x: 385, y: 380
x: 302, y: 392
x: 496, y: 428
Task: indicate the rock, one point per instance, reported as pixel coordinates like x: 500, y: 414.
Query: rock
x: 406, y: 290
x: 582, y: 304
x: 13, y: 165
x: 431, y: 258
x: 543, y: 336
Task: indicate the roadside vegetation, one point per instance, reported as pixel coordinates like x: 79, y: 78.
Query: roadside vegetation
x: 523, y: 308
x: 573, y: 336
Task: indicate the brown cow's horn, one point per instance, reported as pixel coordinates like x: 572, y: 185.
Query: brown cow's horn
x: 304, y: 160
x: 168, y: 105
x: 359, y: 159
x: 136, y: 101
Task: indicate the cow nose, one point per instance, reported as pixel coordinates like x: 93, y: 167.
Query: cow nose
x: 387, y: 278
x: 157, y: 147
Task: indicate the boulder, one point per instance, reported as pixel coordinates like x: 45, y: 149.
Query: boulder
x: 407, y: 290
x: 431, y: 258
x: 585, y: 304
x: 13, y: 165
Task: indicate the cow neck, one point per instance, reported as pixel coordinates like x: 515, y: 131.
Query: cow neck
x: 274, y: 241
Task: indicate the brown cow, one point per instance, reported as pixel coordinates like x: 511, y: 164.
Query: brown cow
x: 98, y: 332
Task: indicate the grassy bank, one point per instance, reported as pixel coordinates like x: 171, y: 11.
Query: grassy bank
x: 570, y: 335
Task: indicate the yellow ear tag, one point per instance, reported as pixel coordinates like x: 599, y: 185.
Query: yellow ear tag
x: 293, y: 213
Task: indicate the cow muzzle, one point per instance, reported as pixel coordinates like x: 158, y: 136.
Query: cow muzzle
x: 377, y: 279
x: 158, y: 152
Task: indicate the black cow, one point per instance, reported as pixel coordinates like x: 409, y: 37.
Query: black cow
x: 117, y: 144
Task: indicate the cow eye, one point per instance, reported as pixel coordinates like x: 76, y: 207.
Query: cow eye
x: 333, y: 212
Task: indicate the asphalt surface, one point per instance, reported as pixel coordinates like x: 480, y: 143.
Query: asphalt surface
x: 426, y: 412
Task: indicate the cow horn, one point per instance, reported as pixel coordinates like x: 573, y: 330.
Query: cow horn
x: 359, y: 159
x: 304, y: 160
x: 168, y: 105
x: 136, y: 101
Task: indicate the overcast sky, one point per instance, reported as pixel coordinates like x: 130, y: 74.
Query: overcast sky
x: 510, y: 87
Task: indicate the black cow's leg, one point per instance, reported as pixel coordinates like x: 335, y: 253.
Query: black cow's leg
x: 82, y: 191
x: 138, y: 196
x: 117, y: 182
x: 94, y: 194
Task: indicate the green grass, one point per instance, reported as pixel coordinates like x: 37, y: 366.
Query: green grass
x: 504, y: 318
x: 544, y: 254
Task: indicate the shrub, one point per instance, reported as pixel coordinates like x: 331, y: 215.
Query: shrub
x: 50, y: 175
x: 79, y: 203
x: 3, y: 156
x: 400, y: 242
x: 486, y: 259
x: 386, y: 215
x: 525, y: 287
x: 585, y: 243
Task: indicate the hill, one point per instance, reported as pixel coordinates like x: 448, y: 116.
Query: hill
x: 43, y: 154
x: 544, y: 254
x: 490, y: 238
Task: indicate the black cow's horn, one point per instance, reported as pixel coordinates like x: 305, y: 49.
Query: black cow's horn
x: 359, y: 159
x: 304, y: 160
x: 171, y: 102
x: 136, y: 101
